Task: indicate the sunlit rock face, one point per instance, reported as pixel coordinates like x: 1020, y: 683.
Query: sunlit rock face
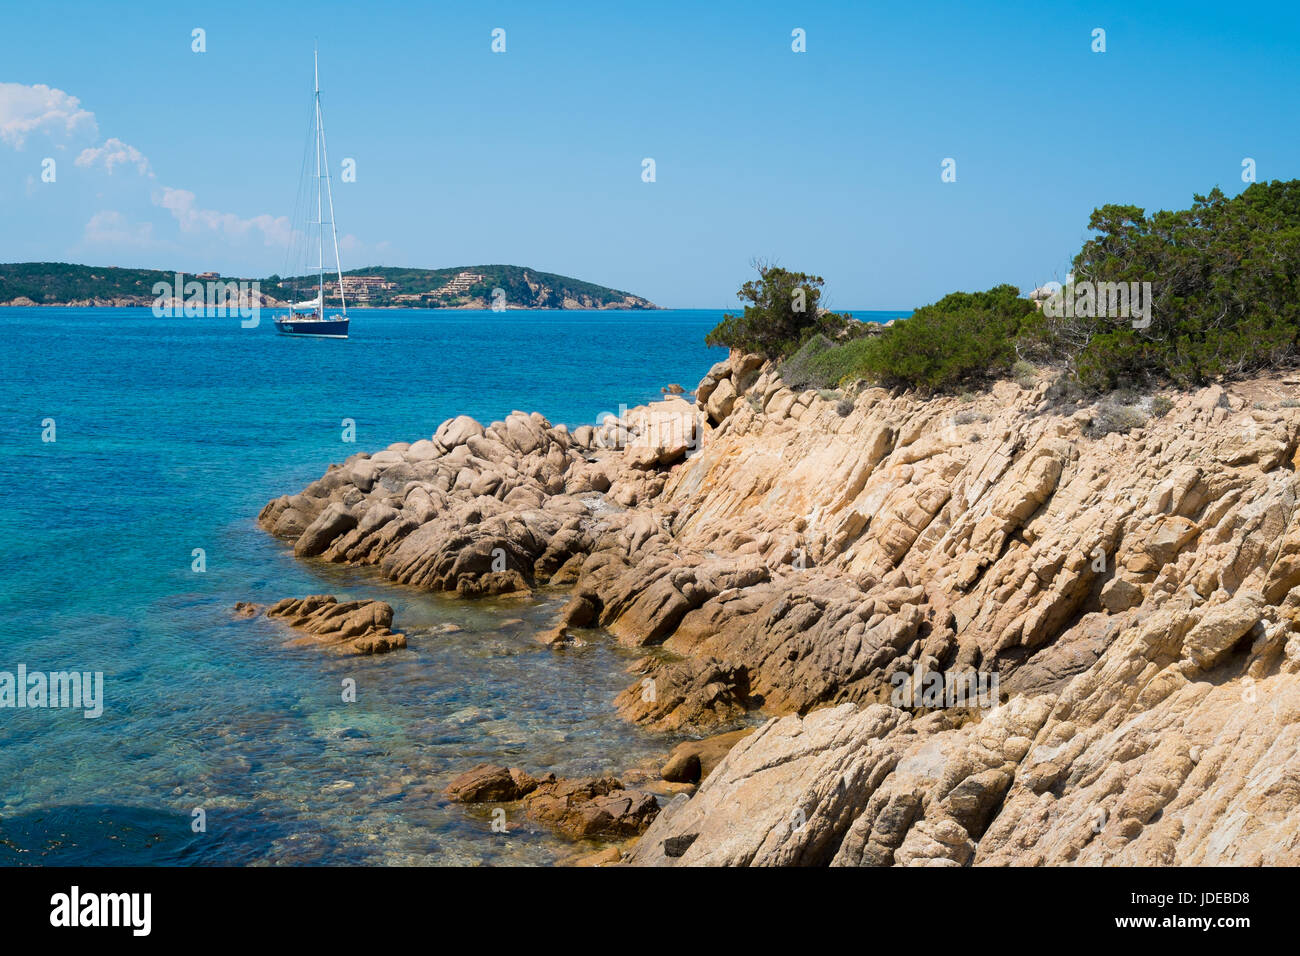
x: 817, y: 555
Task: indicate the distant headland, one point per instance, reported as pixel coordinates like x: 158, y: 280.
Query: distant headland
x: 459, y: 287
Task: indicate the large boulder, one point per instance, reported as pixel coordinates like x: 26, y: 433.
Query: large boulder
x: 320, y: 534
x: 783, y: 796
x: 693, y: 760
x: 493, y: 783
x: 721, y: 401
x: 457, y: 431
x: 1221, y: 627
x: 593, y: 807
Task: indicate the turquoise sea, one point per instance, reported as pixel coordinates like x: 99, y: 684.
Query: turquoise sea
x: 170, y: 435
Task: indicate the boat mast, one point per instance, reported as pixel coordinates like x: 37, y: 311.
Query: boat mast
x: 320, y: 219
x: 329, y: 189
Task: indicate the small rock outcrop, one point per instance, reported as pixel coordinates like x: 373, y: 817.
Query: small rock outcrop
x: 587, y: 808
x: 590, y: 808
x: 492, y: 783
x: 353, y: 627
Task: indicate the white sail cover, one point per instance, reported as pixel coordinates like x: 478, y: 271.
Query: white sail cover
x: 305, y: 306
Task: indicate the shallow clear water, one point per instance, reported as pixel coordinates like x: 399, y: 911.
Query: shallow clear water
x: 170, y: 436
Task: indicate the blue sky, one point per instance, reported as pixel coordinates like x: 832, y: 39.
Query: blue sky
x: 827, y: 161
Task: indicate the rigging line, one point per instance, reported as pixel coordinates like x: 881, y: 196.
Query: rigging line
x: 295, y: 265
x: 320, y: 244
x: 329, y: 188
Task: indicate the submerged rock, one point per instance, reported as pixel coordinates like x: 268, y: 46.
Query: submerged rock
x: 580, y: 809
x: 593, y: 807
x: 492, y: 783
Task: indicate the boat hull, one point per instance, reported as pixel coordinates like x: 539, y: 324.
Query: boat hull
x: 314, y: 328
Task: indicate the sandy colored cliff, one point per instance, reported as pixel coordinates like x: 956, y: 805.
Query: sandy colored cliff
x: 815, y: 556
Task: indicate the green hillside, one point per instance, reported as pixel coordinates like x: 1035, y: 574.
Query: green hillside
x: 50, y: 283
x: 60, y: 283
x: 523, y: 287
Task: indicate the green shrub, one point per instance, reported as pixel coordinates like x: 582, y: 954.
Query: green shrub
x: 819, y: 363
x: 1025, y: 374
x: 964, y: 337
x: 1114, y: 414
x: 783, y: 312
x: 1160, y: 406
x: 1224, y: 277
x: 1225, y: 284
x: 1064, y: 390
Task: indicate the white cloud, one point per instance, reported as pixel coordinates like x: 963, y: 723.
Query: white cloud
x: 182, y: 204
x: 114, y: 152
x: 41, y: 109
x: 111, y: 227
x: 61, y: 122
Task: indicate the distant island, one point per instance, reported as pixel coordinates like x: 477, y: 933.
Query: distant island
x: 460, y: 287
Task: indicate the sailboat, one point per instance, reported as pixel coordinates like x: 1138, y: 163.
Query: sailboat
x: 310, y: 318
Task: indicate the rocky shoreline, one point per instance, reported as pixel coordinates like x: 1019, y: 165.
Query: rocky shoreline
x: 1132, y: 593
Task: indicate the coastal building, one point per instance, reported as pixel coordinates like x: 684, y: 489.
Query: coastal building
x: 461, y: 283
x: 360, y: 288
